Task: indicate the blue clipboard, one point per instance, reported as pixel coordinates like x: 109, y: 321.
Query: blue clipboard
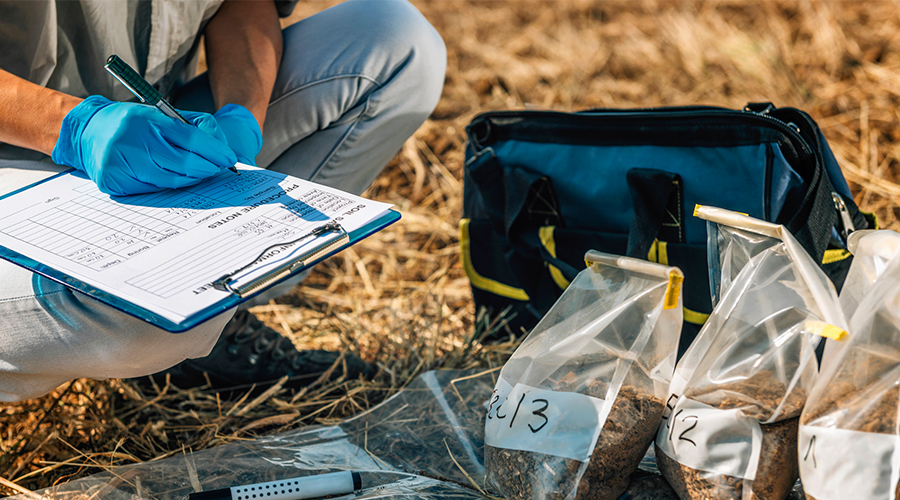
x: 203, y: 315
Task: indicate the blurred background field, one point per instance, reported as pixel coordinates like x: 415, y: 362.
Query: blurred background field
x: 401, y: 298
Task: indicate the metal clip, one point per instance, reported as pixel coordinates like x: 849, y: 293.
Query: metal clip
x: 327, y: 228
x: 847, y: 225
x: 224, y: 283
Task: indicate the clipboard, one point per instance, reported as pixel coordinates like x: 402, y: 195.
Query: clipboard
x: 237, y: 293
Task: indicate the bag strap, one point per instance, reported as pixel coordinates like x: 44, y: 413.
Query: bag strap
x: 813, y: 224
x: 815, y: 220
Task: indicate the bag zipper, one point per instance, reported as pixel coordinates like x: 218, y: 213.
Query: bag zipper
x: 789, y: 129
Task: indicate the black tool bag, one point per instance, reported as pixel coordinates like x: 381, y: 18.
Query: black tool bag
x: 543, y: 187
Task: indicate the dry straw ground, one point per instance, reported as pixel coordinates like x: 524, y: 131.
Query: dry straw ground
x: 401, y: 298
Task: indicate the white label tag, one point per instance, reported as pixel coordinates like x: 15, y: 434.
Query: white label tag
x: 501, y: 391
x: 677, y: 386
x: 562, y: 424
x: 709, y: 439
x: 836, y: 464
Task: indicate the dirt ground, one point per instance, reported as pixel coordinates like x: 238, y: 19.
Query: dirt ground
x: 400, y: 298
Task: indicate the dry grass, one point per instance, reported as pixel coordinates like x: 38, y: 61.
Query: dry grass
x: 401, y: 298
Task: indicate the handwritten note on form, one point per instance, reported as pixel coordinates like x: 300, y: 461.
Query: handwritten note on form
x: 162, y: 251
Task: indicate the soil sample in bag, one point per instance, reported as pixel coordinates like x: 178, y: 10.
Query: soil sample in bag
x: 629, y: 428
x: 877, y: 416
x: 778, y: 468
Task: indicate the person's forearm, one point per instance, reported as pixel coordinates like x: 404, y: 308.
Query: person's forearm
x: 31, y: 115
x: 243, y: 51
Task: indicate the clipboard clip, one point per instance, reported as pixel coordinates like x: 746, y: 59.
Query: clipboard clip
x: 340, y: 238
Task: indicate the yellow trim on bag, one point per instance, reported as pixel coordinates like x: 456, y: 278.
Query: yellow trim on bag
x: 673, y: 291
x: 697, y: 318
x: 546, y: 235
x: 835, y: 255
x: 478, y: 280
x: 874, y: 219
x: 659, y: 252
x: 651, y: 255
x: 825, y: 330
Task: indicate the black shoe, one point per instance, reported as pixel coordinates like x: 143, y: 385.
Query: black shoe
x: 248, y: 352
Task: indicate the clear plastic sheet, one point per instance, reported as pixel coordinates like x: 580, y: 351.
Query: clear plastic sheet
x: 400, y: 448
x: 578, y: 403
x: 849, y: 443
x: 730, y: 429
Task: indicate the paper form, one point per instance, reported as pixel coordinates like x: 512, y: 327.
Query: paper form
x: 162, y: 251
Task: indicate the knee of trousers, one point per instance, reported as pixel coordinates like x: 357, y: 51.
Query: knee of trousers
x: 64, y: 336
x: 388, y: 42
x: 418, y: 77
x: 112, y: 344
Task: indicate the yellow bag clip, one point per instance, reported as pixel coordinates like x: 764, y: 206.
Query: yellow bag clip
x: 825, y: 330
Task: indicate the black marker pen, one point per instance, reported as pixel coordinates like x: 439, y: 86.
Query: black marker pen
x: 299, y: 488
x: 145, y: 92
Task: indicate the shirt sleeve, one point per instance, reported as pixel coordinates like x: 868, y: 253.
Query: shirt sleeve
x: 28, y: 30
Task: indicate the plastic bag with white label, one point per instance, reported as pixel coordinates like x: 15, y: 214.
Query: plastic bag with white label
x: 849, y: 444
x: 730, y: 427
x: 577, y: 405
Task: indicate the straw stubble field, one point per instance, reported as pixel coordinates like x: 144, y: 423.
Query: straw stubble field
x: 400, y: 298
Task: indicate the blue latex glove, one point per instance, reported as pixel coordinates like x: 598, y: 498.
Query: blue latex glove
x: 241, y: 131
x: 130, y: 148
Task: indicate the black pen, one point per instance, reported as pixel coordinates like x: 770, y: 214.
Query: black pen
x: 143, y: 90
x: 298, y: 488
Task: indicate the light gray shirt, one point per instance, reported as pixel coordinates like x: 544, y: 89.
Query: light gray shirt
x: 63, y: 44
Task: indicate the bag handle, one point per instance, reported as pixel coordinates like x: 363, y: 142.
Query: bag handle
x: 658, y: 201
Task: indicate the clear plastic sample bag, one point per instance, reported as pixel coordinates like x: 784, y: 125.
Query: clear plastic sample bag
x: 872, y: 252
x: 730, y: 427
x: 577, y: 405
x: 849, y: 443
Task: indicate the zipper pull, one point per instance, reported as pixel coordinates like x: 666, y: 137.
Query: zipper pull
x: 847, y: 226
x: 764, y: 108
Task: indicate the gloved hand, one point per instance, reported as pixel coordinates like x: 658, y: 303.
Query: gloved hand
x: 242, y: 132
x: 130, y: 148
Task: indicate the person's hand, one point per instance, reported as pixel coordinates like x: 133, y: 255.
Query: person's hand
x: 130, y: 148
x: 242, y: 132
